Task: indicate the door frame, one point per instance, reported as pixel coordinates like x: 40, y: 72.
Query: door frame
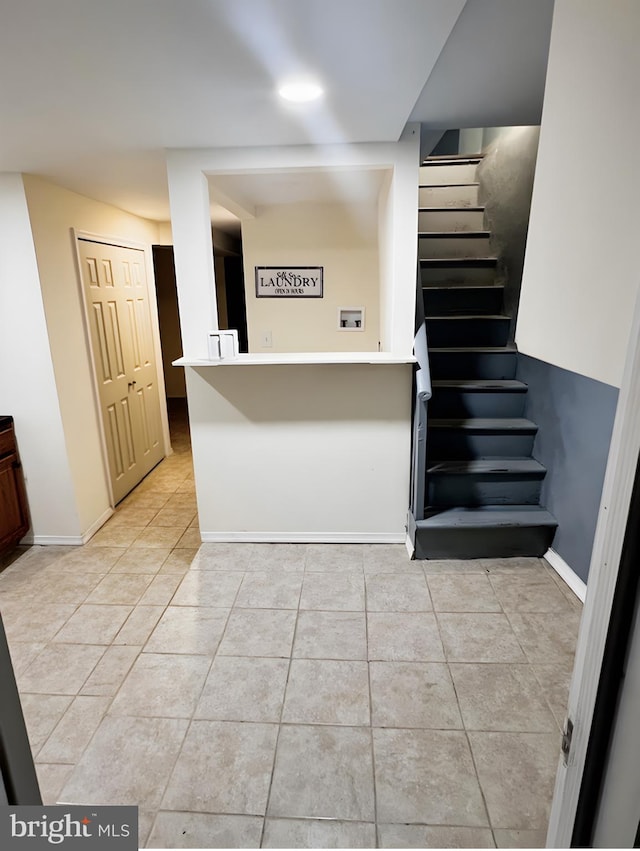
x: 78, y: 234
x: 608, y: 544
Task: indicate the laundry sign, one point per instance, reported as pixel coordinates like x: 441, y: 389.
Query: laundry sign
x: 289, y: 281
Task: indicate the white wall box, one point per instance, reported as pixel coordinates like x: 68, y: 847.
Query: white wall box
x: 351, y: 318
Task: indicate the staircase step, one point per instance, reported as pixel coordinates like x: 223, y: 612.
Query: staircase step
x: 500, y: 481
x: 445, y: 159
x: 485, y: 532
x: 448, y: 173
x: 456, y: 195
x: 449, y: 219
x: 453, y: 244
x: 477, y: 398
x: 474, y: 362
x: 468, y: 330
x: 479, y: 437
x: 442, y: 271
x: 448, y: 301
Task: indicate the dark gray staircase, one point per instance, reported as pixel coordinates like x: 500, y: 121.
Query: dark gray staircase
x: 482, y: 484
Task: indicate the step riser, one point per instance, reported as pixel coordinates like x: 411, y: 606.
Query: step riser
x: 460, y: 404
x: 480, y: 331
x: 493, y: 365
x: 451, y: 220
x: 442, y: 302
x: 458, y: 276
x: 448, y: 196
x: 437, y: 175
x: 452, y: 490
x: 456, y: 443
x: 500, y: 542
x: 433, y: 247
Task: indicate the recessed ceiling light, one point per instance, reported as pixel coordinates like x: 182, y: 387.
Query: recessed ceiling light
x: 300, y: 91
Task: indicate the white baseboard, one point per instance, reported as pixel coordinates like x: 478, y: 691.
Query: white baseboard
x: 566, y: 573
x: 409, y: 545
x: 303, y: 537
x: 53, y: 540
x: 99, y: 523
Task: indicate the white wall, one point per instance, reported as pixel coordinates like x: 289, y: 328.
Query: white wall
x: 27, y: 382
x: 314, y: 452
x: 581, y: 270
x: 343, y: 240
x: 53, y: 211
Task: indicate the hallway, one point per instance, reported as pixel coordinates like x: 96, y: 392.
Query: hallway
x: 353, y: 697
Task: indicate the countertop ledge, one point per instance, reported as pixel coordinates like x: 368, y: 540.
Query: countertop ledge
x: 301, y: 358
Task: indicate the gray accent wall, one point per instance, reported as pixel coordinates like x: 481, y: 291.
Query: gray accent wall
x: 575, y: 417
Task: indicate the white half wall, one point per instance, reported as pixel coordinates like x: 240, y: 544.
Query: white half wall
x: 581, y: 271
x: 27, y: 382
x: 301, y: 452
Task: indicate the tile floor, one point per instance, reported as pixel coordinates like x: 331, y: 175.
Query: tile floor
x: 266, y: 695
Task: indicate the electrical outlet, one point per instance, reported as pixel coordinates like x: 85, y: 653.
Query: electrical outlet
x: 266, y: 340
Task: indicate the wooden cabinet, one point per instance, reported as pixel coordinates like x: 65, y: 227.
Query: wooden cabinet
x: 14, y: 514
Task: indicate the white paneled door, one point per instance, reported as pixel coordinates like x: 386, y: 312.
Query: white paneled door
x: 116, y: 296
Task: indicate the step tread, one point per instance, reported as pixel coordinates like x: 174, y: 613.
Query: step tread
x: 439, y: 287
x: 480, y: 384
x: 478, y: 466
x: 483, y: 350
x: 456, y: 316
x: 454, y: 234
x: 453, y: 262
x: 444, y: 185
x: 487, y: 516
x: 475, y: 209
x: 486, y: 424
x: 440, y: 159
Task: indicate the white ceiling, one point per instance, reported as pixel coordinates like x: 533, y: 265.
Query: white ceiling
x: 93, y: 91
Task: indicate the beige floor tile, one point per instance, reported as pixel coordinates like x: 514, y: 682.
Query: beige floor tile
x: 479, y: 638
x: 413, y: 694
x: 244, y: 689
x: 501, y: 697
x: 38, y: 623
x: 404, y: 637
x: 333, y: 592
x: 511, y: 565
x: 51, y: 779
x: 555, y: 681
x: 141, y: 560
x: 90, y: 559
x: 425, y: 836
x: 182, y: 501
x: 388, y: 558
x: 74, y: 730
x: 188, y: 486
x: 318, y: 833
x: 549, y: 637
x: 139, y: 625
x: 60, y: 669
x: 208, y: 588
x: 93, y: 624
x: 179, y: 561
x: 159, y: 537
x: 463, y: 593
x: 162, y: 685
x: 327, y: 692
x: 529, y: 593
x: 435, y: 567
x: 67, y: 588
x: 127, y: 762
x: 330, y: 558
x: 262, y: 590
x: 397, y: 592
x: 190, y: 539
x: 426, y: 776
x: 110, y: 671
x: 259, y: 632
x: 521, y: 838
x: 161, y: 590
x: 123, y: 589
x: 132, y: 515
x: 517, y: 773
x: 187, y: 629
x: 145, y: 499
x: 180, y: 518
x: 287, y: 557
x: 337, y: 780
x: 41, y: 714
x: 115, y: 536
x: 203, y: 830
x: 23, y: 653
x: 224, y: 767
x: 331, y: 635
x: 223, y: 557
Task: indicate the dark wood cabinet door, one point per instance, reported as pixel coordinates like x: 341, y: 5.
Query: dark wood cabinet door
x: 14, y: 519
